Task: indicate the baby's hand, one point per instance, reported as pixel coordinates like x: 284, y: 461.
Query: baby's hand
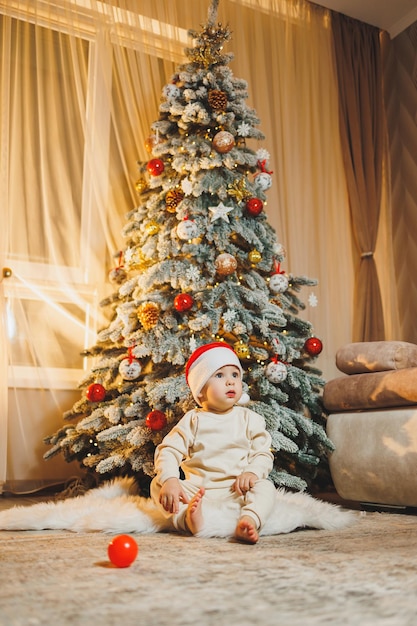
x: 244, y: 483
x: 171, y: 495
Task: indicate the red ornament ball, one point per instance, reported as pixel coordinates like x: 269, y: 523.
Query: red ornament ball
x: 122, y: 550
x: 155, y: 167
x: 156, y: 420
x: 313, y: 346
x: 254, y: 206
x: 183, y: 302
x: 95, y: 392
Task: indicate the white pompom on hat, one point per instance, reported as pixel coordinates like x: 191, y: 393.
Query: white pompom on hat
x: 205, y: 361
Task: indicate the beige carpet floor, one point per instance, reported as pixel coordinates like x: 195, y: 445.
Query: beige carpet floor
x: 364, y: 575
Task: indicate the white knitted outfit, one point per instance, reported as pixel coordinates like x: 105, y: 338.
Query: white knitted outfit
x: 213, y: 450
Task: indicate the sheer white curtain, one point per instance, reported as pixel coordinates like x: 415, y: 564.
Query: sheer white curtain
x: 80, y: 86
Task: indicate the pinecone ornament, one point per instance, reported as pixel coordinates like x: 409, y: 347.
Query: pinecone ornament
x: 148, y: 314
x: 217, y: 100
x: 173, y: 198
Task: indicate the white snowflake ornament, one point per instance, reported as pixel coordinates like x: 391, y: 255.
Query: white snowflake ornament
x: 192, y: 343
x: 243, y: 130
x: 262, y: 155
x: 312, y: 300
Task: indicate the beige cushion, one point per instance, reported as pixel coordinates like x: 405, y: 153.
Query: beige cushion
x: 371, y: 390
x: 375, y: 458
x: 376, y: 356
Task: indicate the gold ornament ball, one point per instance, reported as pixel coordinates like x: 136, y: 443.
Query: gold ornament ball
x: 225, y: 264
x: 255, y: 257
x: 152, y: 227
x: 150, y: 143
x: 223, y: 142
x: 242, y: 350
x: 141, y: 185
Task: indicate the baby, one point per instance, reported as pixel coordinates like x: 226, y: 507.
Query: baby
x: 223, y: 450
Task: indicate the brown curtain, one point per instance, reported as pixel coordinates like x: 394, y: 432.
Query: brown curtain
x: 358, y: 64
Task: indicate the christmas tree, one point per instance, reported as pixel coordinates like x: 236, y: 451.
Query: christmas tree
x: 201, y: 263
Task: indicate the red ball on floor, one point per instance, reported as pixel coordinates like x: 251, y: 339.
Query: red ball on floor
x: 122, y: 550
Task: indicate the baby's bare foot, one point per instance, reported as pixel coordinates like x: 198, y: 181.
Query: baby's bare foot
x: 194, y: 515
x: 246, y: 530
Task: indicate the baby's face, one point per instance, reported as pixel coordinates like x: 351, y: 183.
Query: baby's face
x: 222, y: 390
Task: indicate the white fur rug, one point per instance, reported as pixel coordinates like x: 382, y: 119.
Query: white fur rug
x: 115, y: 508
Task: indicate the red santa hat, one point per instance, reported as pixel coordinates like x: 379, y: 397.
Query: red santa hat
x: 205, y: 361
